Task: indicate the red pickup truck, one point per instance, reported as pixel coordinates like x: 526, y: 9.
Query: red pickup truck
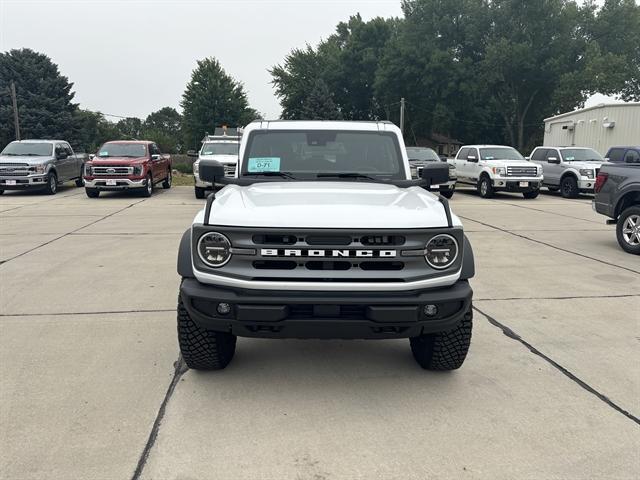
x: 127, y: 165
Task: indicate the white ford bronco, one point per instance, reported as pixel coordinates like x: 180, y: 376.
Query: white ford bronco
x: 323, y: 234
x: 492, y: 168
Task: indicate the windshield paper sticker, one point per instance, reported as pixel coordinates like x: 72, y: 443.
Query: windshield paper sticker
x: 264, y: 164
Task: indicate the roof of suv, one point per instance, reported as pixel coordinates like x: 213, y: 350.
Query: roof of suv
x: 321, y: 125
x: 486, y: 146
x: 135, y: 142
x: 40, y: 140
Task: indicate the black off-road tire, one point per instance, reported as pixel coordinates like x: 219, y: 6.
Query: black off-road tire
x: 632, y: 213
x: 200, y: 192
x: 569, y: 187
x: 167, y: 181
x: 531, y: 195
x: 203, y: 349
x: 485, y: 189
x: 92, y: 192
x: 444, y: 350
x: 52, y: 184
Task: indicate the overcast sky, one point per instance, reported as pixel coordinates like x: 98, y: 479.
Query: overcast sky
x: 131, y: 57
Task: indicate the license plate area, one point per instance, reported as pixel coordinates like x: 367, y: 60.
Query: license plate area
x: 11, y: 182
x: 111, y: 183
x: 524, y: 184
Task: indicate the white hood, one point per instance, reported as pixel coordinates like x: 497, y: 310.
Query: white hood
x: 577, y: 164
x: 326, y: 205
x: 224, y: 159
x: 507, y: 163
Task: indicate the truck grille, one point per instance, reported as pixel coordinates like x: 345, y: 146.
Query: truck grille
x: 229, y: 170
x: 336, y: 255
x: 522, y: 171
x: 15, y: 169
x: 107, y: 170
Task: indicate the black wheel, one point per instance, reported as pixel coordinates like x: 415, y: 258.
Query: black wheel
x: 147, y: 191
x: 52, y: 184
x: 1, y: 192
x: 203, y: 349
x: 532, y: 194
x: 79, y: 182
x: 448, y: 193
x: 200, y: 192
x: 553, y: 189
x: 569, y: 187
x: 92, y: 192
x: 444, y: 350
x: 167, y: 181
x: 485, y: 189
x: 628, y: 230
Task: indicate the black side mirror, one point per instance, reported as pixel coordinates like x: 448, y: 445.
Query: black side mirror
x: 192, y: 153
x: 435, y: 173
x: 553, y: 160
x: 210, y: 170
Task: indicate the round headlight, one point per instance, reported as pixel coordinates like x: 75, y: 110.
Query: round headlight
x: 441, y: 251
x: 214, y: 249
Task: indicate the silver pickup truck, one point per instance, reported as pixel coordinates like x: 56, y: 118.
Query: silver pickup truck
x: 39, y: 165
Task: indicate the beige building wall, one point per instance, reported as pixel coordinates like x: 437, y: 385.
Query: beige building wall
x: 599, y: 127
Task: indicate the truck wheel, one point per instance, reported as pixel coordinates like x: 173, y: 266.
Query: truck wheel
x: 1, y: 192
x: 628, y: 230
x: 569, y: 187
x: 203, y: 349
x: 92, y: 192
x: 148, y: 188
x: 531, y: 195
x: 52, y: 184
x: 485, y: 189
x: 167, y: 181
x: 200, y: 192
x: 79, y: 182
x: 444, y: 350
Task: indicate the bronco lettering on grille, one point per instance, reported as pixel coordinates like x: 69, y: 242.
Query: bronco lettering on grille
x: 297, y: 252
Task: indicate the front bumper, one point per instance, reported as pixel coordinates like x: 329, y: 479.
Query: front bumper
x: 513, y: 184
x: 321, y: 314
x: 587, y: 184
x: 121, y: 183
x: 23, y: 182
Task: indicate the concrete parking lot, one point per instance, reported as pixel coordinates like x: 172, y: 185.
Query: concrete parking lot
x: 92, y: 386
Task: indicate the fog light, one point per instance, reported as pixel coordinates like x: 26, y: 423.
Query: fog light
x: 430, y: 310
x: 223, y: 308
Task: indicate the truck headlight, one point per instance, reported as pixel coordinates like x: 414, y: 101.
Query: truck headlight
x: 499, y: 170
x: 587, y: 172
x: 137, y: 170
x: 441, y: 251
x: 41, y: 168
x: 214, y: 249
x: 196, y: 167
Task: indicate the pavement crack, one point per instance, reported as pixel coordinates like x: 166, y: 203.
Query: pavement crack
x: 540, y: 242
x: 179, y: 369
x: 514, y: 336
x: 7, y: 260
x: 575, y: 297
x: 69, y: 314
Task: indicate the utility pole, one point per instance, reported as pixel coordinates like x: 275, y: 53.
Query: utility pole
x: 14, y: 101
x: 402, y: 116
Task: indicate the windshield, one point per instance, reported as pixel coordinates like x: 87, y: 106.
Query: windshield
x: 581, y: 155
x: 500, y: 153
x: 220, y: 149
x: 422, y: 154
x: 28, y: 149
x: 313, y: 153
x: 123, y: 150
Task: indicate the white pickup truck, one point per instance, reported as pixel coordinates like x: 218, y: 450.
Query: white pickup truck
x: 322, y: 233
x: 494, y: 168
x: 222, y: 148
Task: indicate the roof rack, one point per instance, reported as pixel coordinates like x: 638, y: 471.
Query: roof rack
x: 224, y: 133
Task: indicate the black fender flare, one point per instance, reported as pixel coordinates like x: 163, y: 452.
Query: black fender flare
x: 468, y: 262
x: 185, y: 268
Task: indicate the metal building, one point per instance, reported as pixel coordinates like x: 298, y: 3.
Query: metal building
x: 598, y: 127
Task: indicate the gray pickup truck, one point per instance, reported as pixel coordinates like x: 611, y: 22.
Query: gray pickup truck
x: 39, y: 165
x: 618, y: 197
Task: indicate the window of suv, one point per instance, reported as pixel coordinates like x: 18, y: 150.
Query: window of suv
x: 220, y: 149
x: 500, y: 153
x: 463, y: 153
x: 312, y: 153
x: 616, y: 155
x: 632, y: 156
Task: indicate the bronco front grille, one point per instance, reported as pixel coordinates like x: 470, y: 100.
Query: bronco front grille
x: 326, y: 255
x: 522, y: 171
x: 114, y: 170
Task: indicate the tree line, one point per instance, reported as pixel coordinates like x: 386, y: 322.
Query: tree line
x: 482, y: 71
x: 46, y: 108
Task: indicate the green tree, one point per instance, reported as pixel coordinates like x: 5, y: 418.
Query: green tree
x: 92, y: 129
x: 44, y: 97
x: 213, y: 98
x: 165, y: 128
x: 319, y: 105
x: 130, y: 128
